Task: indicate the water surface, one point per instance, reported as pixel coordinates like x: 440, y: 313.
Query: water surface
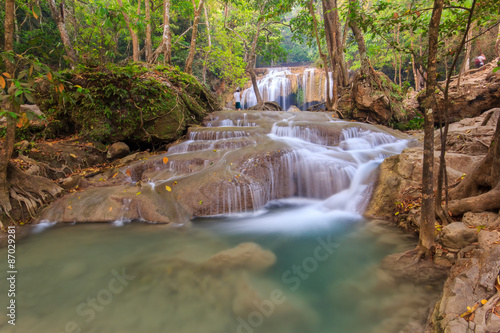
x: 152, y: 278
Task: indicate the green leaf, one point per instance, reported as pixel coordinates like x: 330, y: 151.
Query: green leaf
x: 30, y: 98
x: 36, y: 11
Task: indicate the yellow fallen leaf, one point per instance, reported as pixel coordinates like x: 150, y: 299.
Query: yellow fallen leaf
x: 69, y: 207
x: 73, y: 155
x: 110, y: 208
x: 2, y: 82
x: 165, y: 160
x: 484, y: 301
x: 138, y: 193
x: 200, y: 202
x: 116, y: 174
x: 168, y: 188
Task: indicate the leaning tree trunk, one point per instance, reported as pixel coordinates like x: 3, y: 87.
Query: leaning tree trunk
x: 250, y: 68
x: 192, y: 48
x: 8, y: 144
x: 133, y: 34
x: 360, y: 40
x: 165, y: 46
x: 480, y: 190
x: 427, y: 223
x: 58, y: 15
x: 497, y: 44
x: 323, y: 56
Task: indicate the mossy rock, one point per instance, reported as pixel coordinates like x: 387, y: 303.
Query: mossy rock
x: 133, y: 103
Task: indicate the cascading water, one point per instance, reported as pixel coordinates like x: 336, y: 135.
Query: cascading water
x: 287, y: 86
x: 286, y: 253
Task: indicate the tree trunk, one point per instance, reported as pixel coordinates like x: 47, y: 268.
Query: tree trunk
x: 192, y: 48
x: 427, y: 229
x: 332, y: 39
x: 360, y: 39
x: 466, y: 63
x: 133, y: 34
x: 340, y: 39
x: 209, y: 45
x: 8, y: 144
x: 58, y: 15
x: 251, y: 63
x: 497, y: 44
x: 442, y: 174
x: 148, y: 44
x: 321, y: 54
x: 416, y: 75
x: 165, y: 46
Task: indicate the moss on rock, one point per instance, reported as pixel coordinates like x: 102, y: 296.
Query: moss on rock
x: 133, y: 103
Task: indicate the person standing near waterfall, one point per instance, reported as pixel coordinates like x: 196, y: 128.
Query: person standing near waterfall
x: 237, y: 99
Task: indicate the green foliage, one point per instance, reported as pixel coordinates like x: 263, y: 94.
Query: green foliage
x: 19, y: 88
x: 415, y: 123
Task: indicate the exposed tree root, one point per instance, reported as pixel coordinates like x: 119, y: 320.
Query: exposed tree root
x: 30, y: 191
x: 480, y: 190
x: 486, y: 201
x: 267, y: 106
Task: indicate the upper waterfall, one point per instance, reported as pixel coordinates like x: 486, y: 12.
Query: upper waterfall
x: 299, y: 86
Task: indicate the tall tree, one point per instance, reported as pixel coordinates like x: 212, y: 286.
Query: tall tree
x: 165, y: 46
x: 497, y: 43
x: 355, y: 13
x: 131, y: 28
x: 148, y: 44
x: 427, y: 223
x: 324, y: 58
x: 209, y: 47
x: 192, y: 48
x: 58, y: 15
x: 335, y: 42
x: 8, y: 144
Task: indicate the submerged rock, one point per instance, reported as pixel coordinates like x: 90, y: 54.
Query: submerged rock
x: 246, y: 255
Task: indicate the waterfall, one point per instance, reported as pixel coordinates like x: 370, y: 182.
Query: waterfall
x: 302, y: 87
x: 225, y: 169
